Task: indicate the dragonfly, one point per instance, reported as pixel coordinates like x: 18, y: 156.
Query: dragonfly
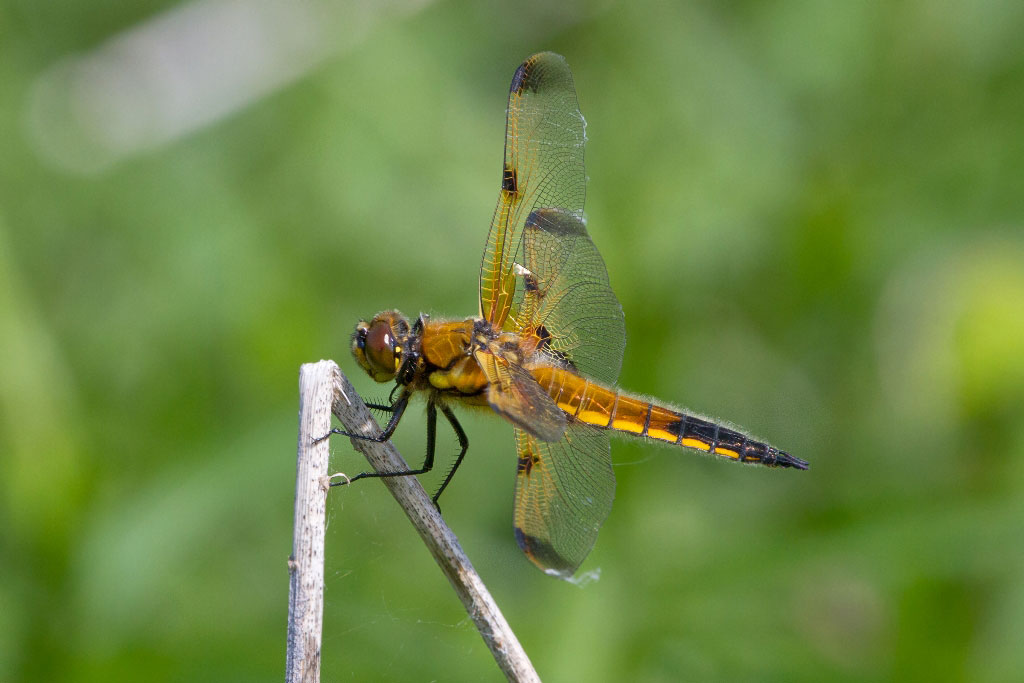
x: 546, y: 346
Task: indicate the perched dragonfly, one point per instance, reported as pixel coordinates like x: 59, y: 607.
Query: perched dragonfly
x: 546, y: 348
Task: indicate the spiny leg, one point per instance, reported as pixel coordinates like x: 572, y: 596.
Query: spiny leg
x: 463, y: 445
x: 397, y: 409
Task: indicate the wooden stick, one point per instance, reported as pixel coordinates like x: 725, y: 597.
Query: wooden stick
x: 439, y: 539
x: 306, y: 564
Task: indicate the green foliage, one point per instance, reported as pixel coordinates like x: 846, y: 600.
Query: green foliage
x: 813, y: 214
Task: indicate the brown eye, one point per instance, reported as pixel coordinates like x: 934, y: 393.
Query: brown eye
x: 380, y: 346
x: 377, y: 345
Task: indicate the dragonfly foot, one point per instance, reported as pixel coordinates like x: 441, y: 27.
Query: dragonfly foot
x: 336, y: 475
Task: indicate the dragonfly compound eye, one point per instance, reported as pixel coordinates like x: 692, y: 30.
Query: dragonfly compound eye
x: 374, y: 346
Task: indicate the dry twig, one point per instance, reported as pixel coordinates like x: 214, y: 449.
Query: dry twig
x: 324, y: 384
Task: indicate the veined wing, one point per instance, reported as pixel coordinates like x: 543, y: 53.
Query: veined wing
x: 565, y: 308
x: 513, y: 393
x: 543, y: 167
x: 541, y: 276
x: 564, y: 492
x: 543, y: 279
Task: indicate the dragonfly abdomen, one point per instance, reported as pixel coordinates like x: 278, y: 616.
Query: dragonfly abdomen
x: 609, y: 408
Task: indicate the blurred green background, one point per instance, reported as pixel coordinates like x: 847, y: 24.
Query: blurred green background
x: 813, y: 214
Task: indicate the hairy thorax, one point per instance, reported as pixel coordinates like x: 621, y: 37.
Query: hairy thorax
x: 450, y: 368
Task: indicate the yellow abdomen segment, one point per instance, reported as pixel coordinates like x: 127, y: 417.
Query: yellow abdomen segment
x: 609, y: 408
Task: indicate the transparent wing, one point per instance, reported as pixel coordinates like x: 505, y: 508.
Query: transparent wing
x: 513, y: 393
x: 542, y: 278
x: 541, y: 275
x: 564, y: 492
x: 565, y: 307
x: 543, y: 168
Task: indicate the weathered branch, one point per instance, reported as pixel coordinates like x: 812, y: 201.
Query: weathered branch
x: 306, y: 564
x: 439, y: 539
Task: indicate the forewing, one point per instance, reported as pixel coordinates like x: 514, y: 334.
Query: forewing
x: 564, y: 492
x: 543, y: 167
x: 513, y: 393
x: 565, y: 307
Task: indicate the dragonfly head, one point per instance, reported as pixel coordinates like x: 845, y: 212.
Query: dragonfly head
x: 378, y: 345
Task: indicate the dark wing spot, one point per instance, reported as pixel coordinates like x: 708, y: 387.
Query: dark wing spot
x: 544, y: 339
x: 525, y: 464
x: 544, y: 336
x: 525, y: 78
x: 517, y: 79
x: 510, y: 180
x: 558, y: 222
x: 544, y: 555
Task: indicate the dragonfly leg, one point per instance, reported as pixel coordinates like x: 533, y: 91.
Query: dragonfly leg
x: 397, y: 410
x: 463, y: 445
